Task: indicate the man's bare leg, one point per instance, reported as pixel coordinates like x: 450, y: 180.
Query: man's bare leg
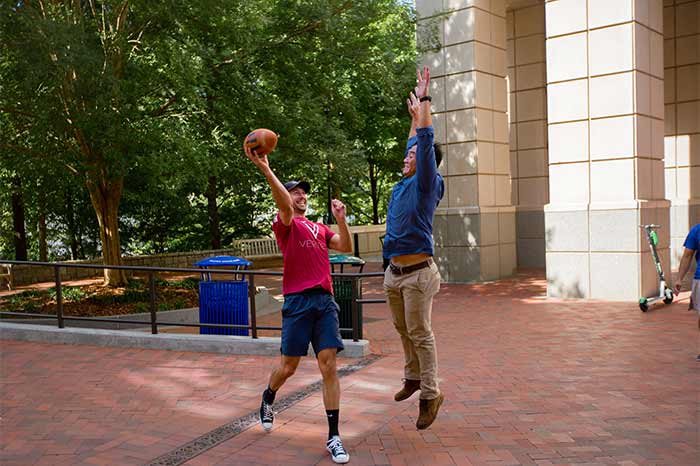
x: 331, y: 382
x: 331, y: 400
x: 288, y: 365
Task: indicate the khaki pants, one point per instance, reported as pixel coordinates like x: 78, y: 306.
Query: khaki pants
x: 410, y: 298
x: 695, y: 295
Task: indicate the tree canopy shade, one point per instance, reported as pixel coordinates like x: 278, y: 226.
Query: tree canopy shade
x: 144, y: 104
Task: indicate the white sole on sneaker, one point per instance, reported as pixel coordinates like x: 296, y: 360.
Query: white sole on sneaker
x: 267, y: 426
x: 340, y: 460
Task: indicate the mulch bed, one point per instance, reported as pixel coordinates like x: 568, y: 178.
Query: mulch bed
x: 99, y: 301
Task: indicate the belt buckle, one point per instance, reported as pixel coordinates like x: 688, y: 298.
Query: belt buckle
x: 395, y: 269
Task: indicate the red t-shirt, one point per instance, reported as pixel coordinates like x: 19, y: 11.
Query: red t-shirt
x: 304, y: 246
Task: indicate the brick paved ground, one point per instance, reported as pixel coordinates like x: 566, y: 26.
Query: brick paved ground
x: 527, y: 381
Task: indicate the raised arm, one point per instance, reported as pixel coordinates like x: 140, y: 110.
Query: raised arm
x: 282, y: 198
x: 340, y: 242
x: 423, y: 116
x: 414, y: 116
x: 426, y: 167
x: 421, y: 90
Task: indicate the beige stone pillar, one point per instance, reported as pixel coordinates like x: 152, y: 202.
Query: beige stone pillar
x: 474, y: 226
x: 527, y: 115
x: 605, y: 110
x: 682, y: 118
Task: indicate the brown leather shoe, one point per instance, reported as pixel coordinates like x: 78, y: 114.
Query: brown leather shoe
x: 409, y: 388
x: 428, y: 411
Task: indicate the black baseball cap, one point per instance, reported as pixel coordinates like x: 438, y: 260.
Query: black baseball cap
x: 289, y: 185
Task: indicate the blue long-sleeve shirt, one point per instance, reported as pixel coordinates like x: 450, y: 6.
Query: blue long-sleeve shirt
x: 409, y: 219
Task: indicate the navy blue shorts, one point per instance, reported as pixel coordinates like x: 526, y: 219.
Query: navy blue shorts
x: 310, y: 317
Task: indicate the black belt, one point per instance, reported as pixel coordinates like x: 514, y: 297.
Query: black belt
x: 396, y: 270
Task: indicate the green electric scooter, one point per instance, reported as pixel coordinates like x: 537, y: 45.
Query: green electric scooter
x: 665, y: 293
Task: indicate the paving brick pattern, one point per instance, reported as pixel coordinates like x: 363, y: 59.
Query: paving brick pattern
x: 527, y: 381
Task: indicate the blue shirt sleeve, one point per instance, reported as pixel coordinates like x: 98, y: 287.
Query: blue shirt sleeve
x: 412, y: 141
x: 693, y: 238
x: 426, y: 168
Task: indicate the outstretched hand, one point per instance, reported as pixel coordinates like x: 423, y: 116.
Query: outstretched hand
x: 338, y: 209
x: 413, y: 103
x: 412, y: 109
x: 259, y: 161
x: 422, y: 82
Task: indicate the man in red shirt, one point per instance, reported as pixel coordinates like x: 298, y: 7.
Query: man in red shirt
x: 309, y: 313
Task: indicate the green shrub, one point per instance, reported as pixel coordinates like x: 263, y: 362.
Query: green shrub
x: 160, y: 282
x: 103, y: 299
x: 189, y: 283
x: 29, y: 306
x: 21, y: 303
x: 69, y: 293
x: 132, y: 296
x: 140, y: 308
x: 135, y: 284
x: 178, y: 304
x: 129, y: 296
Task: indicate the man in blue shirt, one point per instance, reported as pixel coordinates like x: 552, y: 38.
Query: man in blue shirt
x: 412, y: 278
x: 692, y: 247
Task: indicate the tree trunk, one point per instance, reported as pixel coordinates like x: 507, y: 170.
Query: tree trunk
x: 105, y: 198
x: 373, y: 192
x: 213, y: 214
x: 20, y: 234
x: 43, y: 250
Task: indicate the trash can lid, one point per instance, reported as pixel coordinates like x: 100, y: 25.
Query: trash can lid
x: 345, y: 259
x: 223, y: 261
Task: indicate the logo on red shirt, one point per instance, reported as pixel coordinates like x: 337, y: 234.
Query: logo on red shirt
x: 312, y: 227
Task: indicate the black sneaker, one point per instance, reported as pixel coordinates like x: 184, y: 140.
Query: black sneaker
x: 266, y: 416
x: 698, y: 358
x: 335, y: 447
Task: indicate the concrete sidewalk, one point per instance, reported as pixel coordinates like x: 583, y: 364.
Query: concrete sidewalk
x: 527, y: 381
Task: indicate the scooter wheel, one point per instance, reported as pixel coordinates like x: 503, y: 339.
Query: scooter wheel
x: 668, y: 296
x: 643, y: 305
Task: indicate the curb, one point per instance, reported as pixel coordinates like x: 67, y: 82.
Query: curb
x: 264, y: 346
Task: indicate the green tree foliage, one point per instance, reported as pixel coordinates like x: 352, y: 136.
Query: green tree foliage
x: 140, y: 107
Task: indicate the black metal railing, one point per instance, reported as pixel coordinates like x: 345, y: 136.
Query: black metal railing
x: 356, y: 305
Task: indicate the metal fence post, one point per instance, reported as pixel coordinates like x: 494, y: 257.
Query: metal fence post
x: 354, y: 307
x: 152, y: 287
x: 59, y: 296
x: 251, y: 296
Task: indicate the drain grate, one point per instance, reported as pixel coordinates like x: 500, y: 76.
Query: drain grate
x: 229, y: 430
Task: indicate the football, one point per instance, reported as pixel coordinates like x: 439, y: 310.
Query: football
x: 261, y: 141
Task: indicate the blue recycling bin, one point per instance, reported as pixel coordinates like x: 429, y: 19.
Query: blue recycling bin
x: 223, y: 301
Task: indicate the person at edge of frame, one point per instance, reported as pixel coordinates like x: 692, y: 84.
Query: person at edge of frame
x: 691, y: 247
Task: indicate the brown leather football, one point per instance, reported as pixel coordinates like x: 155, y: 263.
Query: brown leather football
x: 261, y: 141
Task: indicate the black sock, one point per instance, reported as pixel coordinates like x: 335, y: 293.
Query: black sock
x: 269, y: 395
x: 333, y: 415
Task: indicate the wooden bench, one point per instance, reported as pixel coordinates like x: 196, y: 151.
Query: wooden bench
x: 263, y: 252
x: 256, y: 247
